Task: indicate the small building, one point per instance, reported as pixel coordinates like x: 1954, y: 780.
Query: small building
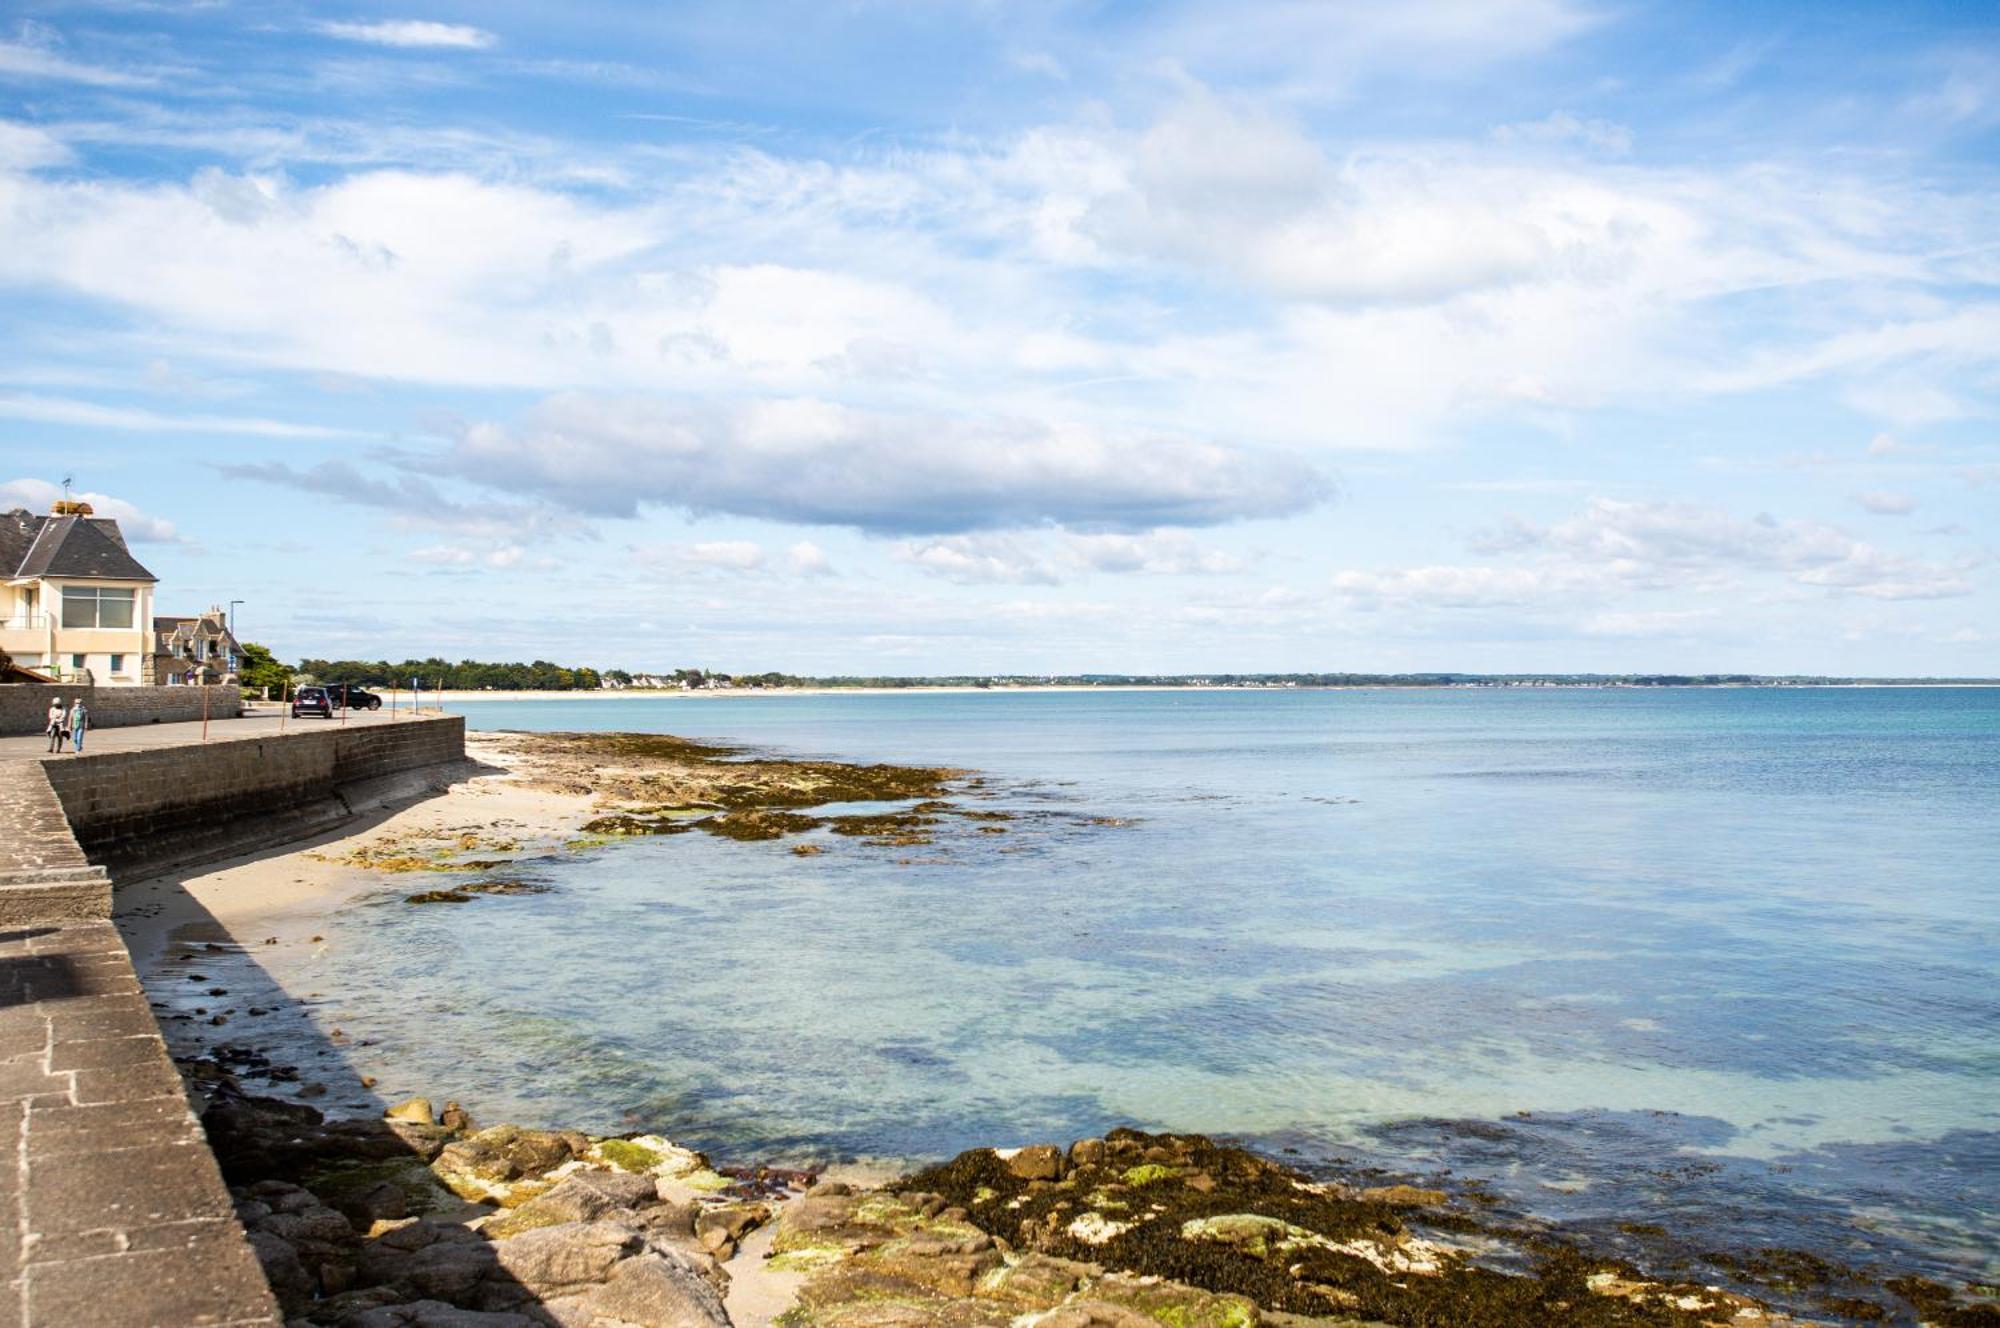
x: 195, y: 650
x: 75, y: 605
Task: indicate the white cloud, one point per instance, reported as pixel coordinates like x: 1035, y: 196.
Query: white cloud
x: 1561, y: 127
x: 1370, y: 295
x: 737, y: 558
x: 976, y: 559
x: 1310, y: 49
x: 136, y: 525
x: 1881, y: 502
x: 413, y: 33
x: 91, y: 415
x: 1055, y: 557
x: 820, y: 463
x: 36, y: 57
x: 807, y: 559
x: 26, y: 148
x: 1612, y: 550
x: 734, y: 555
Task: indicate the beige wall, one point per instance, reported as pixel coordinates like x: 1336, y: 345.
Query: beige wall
x: 46, y: 644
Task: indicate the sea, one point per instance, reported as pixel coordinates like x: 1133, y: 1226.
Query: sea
x: 1716, y: 963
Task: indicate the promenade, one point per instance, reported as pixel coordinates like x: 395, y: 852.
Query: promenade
x: 262, y: 722
x: 114, y: 1213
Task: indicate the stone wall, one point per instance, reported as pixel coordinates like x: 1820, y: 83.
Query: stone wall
x: 161, y: 806
x: 24, y: 707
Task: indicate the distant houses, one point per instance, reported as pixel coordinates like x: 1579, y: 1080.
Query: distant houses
x: 200, y: 649
x: 75, y: 605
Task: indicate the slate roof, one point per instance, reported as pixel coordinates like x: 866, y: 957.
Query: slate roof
x: 88, y: 548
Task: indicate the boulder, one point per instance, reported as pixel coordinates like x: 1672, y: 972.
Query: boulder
x: 554, y: 1261
x: 1403, y: 1196
x: 493, y: 1164
x: 1037, y: 1281
x: 425, y: 1259
x: 657, y: 1290
x: 417, y: 1109
x: 732, y: 1221
x: 321, y: 1240
x: 437, y: 1314
x: 582, y: 1196
x: 1087, y: 1153
x: 382, y: 1202
x: 1036, y: 1162
x: 290, y: 1282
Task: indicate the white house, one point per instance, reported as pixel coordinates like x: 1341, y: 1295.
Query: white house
x: 74, y: 603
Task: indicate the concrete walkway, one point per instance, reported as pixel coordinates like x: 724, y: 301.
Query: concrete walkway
x: 113, y: 1214
x: 43, y: 873
x: 261, y: 723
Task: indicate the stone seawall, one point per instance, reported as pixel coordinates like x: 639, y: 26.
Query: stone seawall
x: 158, y: 807
x: 24, y: 707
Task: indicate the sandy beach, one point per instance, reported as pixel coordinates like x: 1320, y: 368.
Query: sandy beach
x: 282, y: 894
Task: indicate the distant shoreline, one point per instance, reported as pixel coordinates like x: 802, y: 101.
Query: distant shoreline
x: 456, y: 697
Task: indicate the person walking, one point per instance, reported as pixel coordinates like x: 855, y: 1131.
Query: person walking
x: 58, y: 725
x: 79, y: 720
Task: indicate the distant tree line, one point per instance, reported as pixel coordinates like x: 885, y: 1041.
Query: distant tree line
x: 465, y: 675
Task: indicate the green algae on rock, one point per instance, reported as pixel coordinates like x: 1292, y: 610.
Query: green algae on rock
x: 1184, y: 1211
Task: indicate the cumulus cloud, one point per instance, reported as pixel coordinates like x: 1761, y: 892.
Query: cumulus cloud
x: 737, y: 558
x: 411, y: 499
x: 1882, y: 502
x: 26, y: 148
x: 821, y: 463
x: 136, y: 525
x: 1052, y: 558
x: 1614, y: 549
x: 412, y: 33
x: 1682, y: 544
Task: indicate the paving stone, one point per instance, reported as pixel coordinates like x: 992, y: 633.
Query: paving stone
x: 129, y: 1187
x: 66, y: 1128
x: 218, y: 1284
x: 129, y: 1083
x: 110, y: 1054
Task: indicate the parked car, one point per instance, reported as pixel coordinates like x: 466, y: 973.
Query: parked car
x: 312, y: 701
x: 353, y: 697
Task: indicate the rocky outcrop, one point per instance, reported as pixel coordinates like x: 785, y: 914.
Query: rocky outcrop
x: 414, y: 1223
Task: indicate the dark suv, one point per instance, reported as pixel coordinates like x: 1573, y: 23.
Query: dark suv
x: 353, y: 697
x: 324, y: 700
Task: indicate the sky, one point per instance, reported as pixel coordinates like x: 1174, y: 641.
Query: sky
x: 916, y: 337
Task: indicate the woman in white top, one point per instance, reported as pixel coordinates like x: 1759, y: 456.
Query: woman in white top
x: 58, y: 727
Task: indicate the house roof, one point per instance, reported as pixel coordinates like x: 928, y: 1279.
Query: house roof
x: 88, y: 548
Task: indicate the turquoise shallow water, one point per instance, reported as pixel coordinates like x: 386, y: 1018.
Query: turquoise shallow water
x: 1731, y: 952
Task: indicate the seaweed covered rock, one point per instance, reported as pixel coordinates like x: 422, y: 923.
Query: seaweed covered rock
x: 506, y: 1164
x: 1198, y: 1234
x: 581, y: 1196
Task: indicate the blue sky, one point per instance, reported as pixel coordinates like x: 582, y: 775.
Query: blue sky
x: 927, y: 337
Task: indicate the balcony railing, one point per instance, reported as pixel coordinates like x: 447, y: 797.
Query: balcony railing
x: 25, y: 622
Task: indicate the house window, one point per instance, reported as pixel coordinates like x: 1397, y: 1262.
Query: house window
x: 96, y: 607
x: 76, y: 662
x: 117, y: 663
